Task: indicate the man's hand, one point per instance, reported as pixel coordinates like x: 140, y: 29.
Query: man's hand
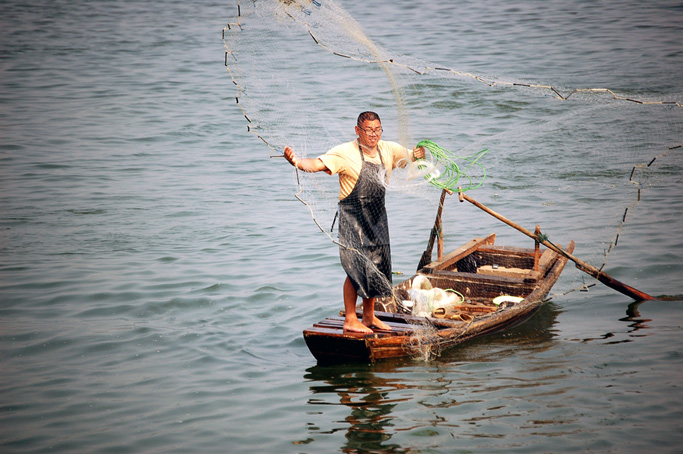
x: 418, y: 153
x: 289, y: 156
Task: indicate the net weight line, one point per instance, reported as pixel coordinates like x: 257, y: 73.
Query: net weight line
x: 614, y: 243
x: 236, y: 27
x: 428, y: 69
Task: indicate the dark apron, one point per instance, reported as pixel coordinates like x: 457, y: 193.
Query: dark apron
x: 364, y: 233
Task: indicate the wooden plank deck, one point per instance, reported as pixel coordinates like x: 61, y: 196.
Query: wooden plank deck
x: 337, y: 324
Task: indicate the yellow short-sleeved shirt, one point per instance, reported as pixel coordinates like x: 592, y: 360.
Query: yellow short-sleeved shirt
x: 345, y: 160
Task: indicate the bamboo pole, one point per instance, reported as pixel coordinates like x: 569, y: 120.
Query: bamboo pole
x: 583, y: 266
x: 426, y: 258
x: 537, y: 249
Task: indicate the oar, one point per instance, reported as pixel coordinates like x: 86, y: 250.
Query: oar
x: 583, y: 266
x: 427, y: 254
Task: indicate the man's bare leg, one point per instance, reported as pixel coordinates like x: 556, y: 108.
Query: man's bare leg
x: 351, y: 322
x: 369, y: 317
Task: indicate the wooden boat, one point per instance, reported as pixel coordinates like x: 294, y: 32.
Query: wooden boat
x: 479, y: 272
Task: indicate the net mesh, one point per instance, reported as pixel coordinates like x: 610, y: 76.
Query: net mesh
x: 544, y: 148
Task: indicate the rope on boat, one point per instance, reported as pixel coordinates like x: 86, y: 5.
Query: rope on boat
x: 541, y: 237
x: 417, y: 346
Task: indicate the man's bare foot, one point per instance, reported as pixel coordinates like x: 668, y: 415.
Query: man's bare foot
x: 355, y: 326
x: 377, y: 323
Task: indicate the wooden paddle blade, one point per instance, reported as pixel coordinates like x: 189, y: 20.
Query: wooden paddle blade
x: 614, y: 284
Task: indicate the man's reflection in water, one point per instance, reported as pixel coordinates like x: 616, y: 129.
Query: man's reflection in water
x: 371, y: 398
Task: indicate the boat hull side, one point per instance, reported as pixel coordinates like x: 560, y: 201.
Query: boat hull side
x: 335, y: 349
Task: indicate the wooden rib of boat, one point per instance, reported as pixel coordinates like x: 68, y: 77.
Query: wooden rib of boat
x: 479, y: 271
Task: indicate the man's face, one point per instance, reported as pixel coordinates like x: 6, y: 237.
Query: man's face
x: 370, y: 133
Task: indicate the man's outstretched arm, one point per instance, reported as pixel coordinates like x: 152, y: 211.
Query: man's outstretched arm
x: 305, y: 164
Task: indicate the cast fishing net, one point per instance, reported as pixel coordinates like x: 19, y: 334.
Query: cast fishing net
x: 303, y: 70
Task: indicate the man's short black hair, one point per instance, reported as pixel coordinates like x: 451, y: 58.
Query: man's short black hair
x: 365, y: 116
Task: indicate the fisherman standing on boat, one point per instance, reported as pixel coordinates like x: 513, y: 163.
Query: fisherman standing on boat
x: 364, y: 167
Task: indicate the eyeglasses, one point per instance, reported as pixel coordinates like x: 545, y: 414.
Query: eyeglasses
x: 376, y: 132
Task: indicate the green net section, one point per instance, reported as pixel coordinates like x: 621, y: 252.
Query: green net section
x: 451, y: 174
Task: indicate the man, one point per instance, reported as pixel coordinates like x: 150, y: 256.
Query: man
x: 364, y: 166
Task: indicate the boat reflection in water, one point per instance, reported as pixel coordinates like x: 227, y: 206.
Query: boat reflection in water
x: 409, y: 395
